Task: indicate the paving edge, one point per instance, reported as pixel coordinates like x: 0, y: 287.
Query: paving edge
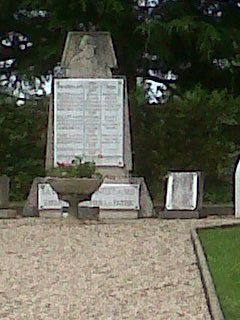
x: 207, y: 281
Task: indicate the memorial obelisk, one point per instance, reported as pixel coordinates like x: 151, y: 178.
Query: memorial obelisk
x: 89, y: 115
x: 91, y: 56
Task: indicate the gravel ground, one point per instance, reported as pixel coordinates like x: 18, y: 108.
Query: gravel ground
x: 138, y: 269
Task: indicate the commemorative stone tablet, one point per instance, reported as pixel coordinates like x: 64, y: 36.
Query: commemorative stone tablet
x: 116, y: 196
x: 88, y: 121
x: 182, y: 191
x: 48, y: 198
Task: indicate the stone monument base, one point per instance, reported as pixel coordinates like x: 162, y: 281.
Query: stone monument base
x: 146, y: 205
x: 50, y: 213
x: 182, y: 214
x: 120, y: 214
x: 86, y: 213
x: 8, y: 214
x: 144, y: 209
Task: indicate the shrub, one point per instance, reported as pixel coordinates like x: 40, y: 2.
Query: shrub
x: 22, y: 147
x: 195, y: 132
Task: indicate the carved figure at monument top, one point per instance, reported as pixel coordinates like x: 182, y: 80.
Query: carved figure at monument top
x: 85, y: 63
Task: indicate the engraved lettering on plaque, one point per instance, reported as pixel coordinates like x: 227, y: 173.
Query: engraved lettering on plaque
x: 88, y: 121
x: 182, y: 188
x: 115, y: 196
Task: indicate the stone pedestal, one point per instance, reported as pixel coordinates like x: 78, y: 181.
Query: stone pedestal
x: 4, y: 192
x: 86, y: 213
x: 8, y: 213
x: 90, y: 55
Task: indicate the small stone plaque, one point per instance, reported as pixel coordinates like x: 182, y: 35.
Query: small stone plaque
x: 48, y: 198
x: 88, y: 121
x: 113, y: 196
x: 182, y: 191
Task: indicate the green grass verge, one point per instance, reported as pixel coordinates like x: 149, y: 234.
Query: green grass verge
x: 222, y: 249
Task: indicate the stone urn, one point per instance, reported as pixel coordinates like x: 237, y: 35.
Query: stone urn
x: 75, y: 190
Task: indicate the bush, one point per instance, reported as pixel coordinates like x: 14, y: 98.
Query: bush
x: 195, y: 132
x: 22, y: 147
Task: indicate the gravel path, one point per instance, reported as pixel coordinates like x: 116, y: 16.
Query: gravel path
x: 138, y: 269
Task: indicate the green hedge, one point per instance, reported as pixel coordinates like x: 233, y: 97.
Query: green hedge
x: 22, y: 146
x: 199, y: 131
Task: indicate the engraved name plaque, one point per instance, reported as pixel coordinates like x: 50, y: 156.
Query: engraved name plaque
x: 88, y: 121
x: 115, y: 197
x: 182, y: 191
x: 47, y: 197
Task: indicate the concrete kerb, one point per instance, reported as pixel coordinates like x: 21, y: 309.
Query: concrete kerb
x: 207, y: 281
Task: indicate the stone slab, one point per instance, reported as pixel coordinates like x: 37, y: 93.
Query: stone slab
x: 54, y: 213
x: 179, y: 214
x: 185, y: 185
x: 86, y: 213
x: 117, y: 214
x: 4, y: 192
x: 146, y: 204
x: 146, y: 209
x: 182, y: 191
x: 30, y: 208
x: 48, y: 198
x: 8, y: 214
x: 88, y: 121
x: 115, y: 196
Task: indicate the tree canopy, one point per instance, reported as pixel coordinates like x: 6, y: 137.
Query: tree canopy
x: 198, y: 40
x: 199, y: 47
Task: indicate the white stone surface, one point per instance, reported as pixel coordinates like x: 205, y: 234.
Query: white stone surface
x: 237, y: 191
x: 88, y: 121
x: 115, y: 196
x: 48, y: 198
x: 64, y: 204
x: 182, y: 191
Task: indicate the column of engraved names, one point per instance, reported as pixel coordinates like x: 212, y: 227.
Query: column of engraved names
x: 69, y: 121
x: 112, y: 121
x: 92, y: 121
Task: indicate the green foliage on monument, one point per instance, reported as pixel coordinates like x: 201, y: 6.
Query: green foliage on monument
x: 78, y: 169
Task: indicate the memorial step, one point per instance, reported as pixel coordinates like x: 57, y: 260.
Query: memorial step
x: 8, y: 214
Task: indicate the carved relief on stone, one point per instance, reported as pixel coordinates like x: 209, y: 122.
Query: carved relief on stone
x: 86, y: 62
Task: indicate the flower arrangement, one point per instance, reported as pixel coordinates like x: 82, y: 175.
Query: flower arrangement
x: 76, y: 169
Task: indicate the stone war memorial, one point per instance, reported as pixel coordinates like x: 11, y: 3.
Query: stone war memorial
x: 89, y: 118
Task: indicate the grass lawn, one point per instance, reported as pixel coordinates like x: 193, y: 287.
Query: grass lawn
x: 222, y: 248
